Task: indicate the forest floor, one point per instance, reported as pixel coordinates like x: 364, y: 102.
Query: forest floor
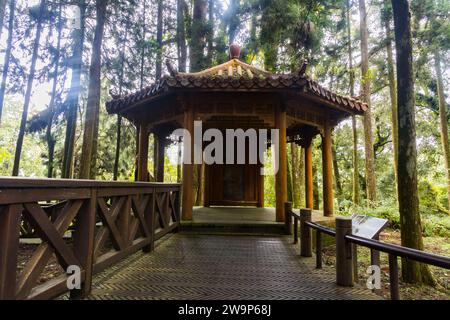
x: 437, y: 245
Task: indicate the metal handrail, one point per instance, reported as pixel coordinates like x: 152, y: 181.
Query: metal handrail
x: 400, y: 251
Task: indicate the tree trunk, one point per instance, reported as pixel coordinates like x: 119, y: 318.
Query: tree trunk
x: 143, y: 53
x: 289, y: 179
x: 29, y: 89
x: 142, y: 71
x: 12, y: 7
x: 2, y: 15
x: 159, y: 36
x: 337, y: 175
x: 411, y: 227
x: 119, y: 117
x: 392, y: 90
x: 198, y: 36
x: 51, y: 141
x: 74, y: 93
x: 117, y: 154
x: 181, y: 36
x: 296, y: 181
x: 355, y: 180
x: 443, y: 120
x: 88, y: 158
x: 365, y: 92
x: 209, y: 55
x: 356, y: 196
x: 316, y: 195
x: 233, y: 20
x: 301, y: 177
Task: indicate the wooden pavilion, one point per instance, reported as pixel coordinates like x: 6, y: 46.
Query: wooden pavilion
x: 238, y: 95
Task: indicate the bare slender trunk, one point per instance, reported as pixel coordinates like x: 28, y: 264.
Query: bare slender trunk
x: 365, y: 85
x: 143, y: 52
x: 443, y: 119
x: 410, y: 222
x: 209, y: 54
x: 51, y: 141
x: 159, y: 35
x: 295, y: 175
x: 119, y: 117
x: 393, y: 93
x: 301, y: 181
x: 316, y: 195
x: 181, y: 36
x: 26, y: 104
x: 356, y: 196
x: 2, y: 15
x: 117, y: 153
x: 142, y: 70
x: 233, y: 20
x: 12, y: 7
x: 198, y: 38
x: 88, y: 158
x: 289, y: 179
x: 74, y: 93
x: 355, y: 180
x: 337, y: 175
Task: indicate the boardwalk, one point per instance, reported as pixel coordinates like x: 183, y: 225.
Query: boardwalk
x: 194, y: 267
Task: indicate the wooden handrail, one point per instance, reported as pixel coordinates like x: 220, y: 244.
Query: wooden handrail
x: 394, y: 251
x: 19, y: 182
x: 128, y: 215
x: 404, y: 252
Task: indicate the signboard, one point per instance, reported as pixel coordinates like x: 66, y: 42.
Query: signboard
x: 367, y: 227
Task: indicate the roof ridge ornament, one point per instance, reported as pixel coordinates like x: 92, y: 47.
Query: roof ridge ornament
x: 114, y: 95
x: 235, y: 51
x: 173, y: 72
x: 302, y: 70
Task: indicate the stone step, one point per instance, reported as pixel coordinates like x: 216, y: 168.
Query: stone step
x: 233, y: 228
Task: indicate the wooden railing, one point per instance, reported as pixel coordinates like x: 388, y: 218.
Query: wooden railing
x: 84, y: 223
x: 346, y: 248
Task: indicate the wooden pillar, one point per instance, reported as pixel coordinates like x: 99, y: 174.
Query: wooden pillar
x: 160, y: 145
x: 309, y: 195
x: 188, y: 169
x: 281, y: 176
x: 327, y: 171
x: 143, y: 154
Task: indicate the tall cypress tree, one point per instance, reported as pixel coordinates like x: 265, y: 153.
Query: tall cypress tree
x: 88, y: 155
x: 7, y: 61
x: 29, y: 89
x: 410, y: 222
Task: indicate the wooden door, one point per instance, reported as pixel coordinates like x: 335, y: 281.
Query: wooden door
x: 233, y: 185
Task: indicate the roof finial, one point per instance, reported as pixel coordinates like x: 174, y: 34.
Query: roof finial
x: 235, y: 51
x: 302, y: 70
x: 173, y: 72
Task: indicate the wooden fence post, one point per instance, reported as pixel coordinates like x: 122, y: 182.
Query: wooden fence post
x: 178, y: 209
x: 344, y: 252
x: 305, y: 233
x: 83, y: 243
x: 288, y: 217
x: 151, y: 219
x: 9, y: 244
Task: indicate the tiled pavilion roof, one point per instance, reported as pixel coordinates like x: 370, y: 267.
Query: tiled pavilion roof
x: 236, y: 75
